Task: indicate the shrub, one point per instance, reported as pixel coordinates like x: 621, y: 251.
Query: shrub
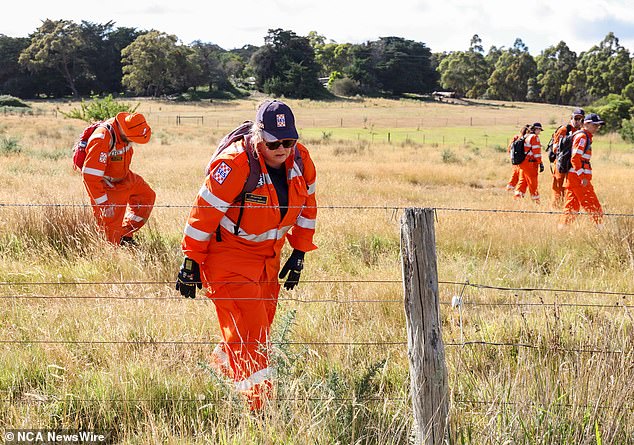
x: 9, y: 145
x: 10, y: 101
x: 345, y: 87
x: 627, y: 130
x: 99, y: 109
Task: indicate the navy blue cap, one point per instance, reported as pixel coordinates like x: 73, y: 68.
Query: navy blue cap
x: 593, y: 118
x: 537, y: 125
x: 276, y: 120
x: 578, y: 112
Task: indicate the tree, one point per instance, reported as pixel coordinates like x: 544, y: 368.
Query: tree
x: 155, y: 64
x: 602, y: 70
x: 404, y: 66
x: 58, y: 45
x: 14, y: 78
x: 285, y: 66
x: 207, y: 58
x: 554, y: 65
x: 513, y: 69
x: 392, y: 65
x: 465, y: 72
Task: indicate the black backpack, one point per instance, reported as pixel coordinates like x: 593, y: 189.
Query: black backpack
x: 552, y: 155
x: 564, y: 154
x: 517, y: 151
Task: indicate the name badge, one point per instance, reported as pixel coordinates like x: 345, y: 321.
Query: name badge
x: 256, y: 199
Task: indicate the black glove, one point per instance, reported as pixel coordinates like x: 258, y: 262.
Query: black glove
x: 541, y: 167
x: 293, y: 267
x: 189, y: 278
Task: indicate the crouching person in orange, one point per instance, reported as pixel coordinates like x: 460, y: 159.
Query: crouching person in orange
x: 532, y: 165
x: 233, y: 240
x: 111, y: 186
x: 578, y: 184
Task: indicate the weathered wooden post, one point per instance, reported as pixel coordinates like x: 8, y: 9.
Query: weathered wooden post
x: 426, y: 350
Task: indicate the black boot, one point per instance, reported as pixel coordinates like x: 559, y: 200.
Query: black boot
x: 128, y: 241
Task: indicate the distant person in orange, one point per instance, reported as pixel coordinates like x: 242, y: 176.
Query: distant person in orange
x: 531, y: 166
x: 576, y: 122
x: 110, y: 184
x: 579, y: 190
x: 515, y: 176
x: 233, y: 242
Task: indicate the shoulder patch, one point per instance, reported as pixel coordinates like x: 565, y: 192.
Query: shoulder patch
x: 221, y: 172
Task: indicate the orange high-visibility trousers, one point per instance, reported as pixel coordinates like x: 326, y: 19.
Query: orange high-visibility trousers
x: 577, y: 197
x: 245, y: 311
x: 515, y: 177
x: 528, y: 180
x: 132, y: 192
x: 559, y: 191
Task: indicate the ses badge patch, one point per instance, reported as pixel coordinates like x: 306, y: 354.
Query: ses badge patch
x: 221, y: 172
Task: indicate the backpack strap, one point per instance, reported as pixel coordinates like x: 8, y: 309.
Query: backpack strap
x: 113, y: 137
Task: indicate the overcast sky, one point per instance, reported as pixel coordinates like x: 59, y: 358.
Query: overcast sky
x: 443, y: 25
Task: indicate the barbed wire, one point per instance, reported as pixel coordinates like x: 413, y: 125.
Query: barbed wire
x: 41, y: 399
x: 310, y: 343
x: 205, y: 299
x: 386, y: 207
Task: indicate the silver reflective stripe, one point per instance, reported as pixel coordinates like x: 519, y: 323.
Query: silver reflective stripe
x: 587, y: 171
x: 133, y: 217
x: 576, y: 151
x: 537, y: 156
x: 101, y: 199
x: 586, y: 156
x: 93, y: 171
x: 213, y: 200
x: 311, y: 188
x: 294, y: 172
x: 115, y: 152
x: 221, y: 355
x: 305, y: 222
x: 254, y: 379
x: 198, y: 235
x: 267, y: 178
x: 269, y: 235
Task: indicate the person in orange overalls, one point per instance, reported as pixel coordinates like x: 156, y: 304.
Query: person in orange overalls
x: 579, y: 189
x: 110, y: 184
x: 235, y: 254
x: 515, y: 175
x: 531, y: 165
x: 576, y: 122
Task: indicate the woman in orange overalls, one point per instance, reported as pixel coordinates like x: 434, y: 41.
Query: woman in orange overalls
x: 531, y: 166
x: 515, y: 175
x: 235, y: 254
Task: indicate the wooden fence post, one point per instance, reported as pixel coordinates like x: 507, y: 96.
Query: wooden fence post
x: 426, y: 350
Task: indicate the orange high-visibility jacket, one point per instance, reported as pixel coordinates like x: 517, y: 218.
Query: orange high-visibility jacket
x: 103, y: 166
x: 580, y: 157
x: 532, y: 148
x: 261, y: 234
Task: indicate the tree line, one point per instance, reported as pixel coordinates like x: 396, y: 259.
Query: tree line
x: 63, y: 58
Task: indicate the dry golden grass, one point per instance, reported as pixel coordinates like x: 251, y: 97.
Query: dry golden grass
x: 572, y: 386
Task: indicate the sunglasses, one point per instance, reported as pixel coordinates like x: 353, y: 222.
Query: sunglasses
x: 286, y: 143
x: 578, y: 118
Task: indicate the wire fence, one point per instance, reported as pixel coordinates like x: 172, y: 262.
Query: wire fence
x: 543, y: 347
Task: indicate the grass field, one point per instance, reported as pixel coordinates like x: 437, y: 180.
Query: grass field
x: 94, y: 337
